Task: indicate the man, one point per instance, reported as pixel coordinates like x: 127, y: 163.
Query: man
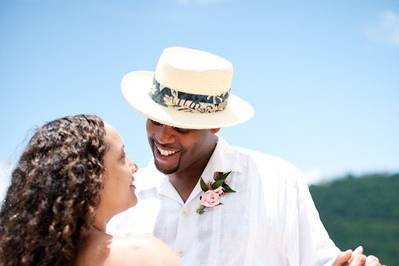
x: 215, y: 204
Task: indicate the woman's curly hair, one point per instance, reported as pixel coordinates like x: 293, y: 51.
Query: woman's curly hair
x: 54, y: 191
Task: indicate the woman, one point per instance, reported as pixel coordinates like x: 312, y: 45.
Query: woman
x: 71, y: 179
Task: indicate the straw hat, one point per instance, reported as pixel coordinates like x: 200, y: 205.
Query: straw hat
x: 189, y: 89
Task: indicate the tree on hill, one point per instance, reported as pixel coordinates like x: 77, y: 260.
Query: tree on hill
x: 362, y: 210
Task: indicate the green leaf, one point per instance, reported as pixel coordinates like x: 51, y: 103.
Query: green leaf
x: 201, y: 209
x: 217, y: 184
x: 227, y: 188
x: 204, y: 186
x: 222, y: 176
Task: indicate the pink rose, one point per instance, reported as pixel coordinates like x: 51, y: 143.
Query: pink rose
x: 219, y: 190
x: 210, y: 198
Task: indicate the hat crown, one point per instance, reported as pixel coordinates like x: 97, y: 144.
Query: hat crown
x: 189, y: 89
x: 194, y: 71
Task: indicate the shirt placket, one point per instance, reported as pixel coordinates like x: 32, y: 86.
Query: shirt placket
x: 187, y: 227
x: 186, y: 230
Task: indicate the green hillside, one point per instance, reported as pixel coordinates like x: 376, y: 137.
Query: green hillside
x: 362, y: 210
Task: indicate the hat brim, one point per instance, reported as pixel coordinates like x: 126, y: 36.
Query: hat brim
x: 136, y: 88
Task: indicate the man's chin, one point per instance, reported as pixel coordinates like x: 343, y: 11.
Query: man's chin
x: 166, y: 171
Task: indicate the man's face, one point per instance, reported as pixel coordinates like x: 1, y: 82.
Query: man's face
x: 176, y: 149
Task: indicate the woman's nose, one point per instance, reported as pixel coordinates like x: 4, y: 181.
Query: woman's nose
x: 133, y: 167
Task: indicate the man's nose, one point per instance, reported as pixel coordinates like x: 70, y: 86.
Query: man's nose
x: 165, y: 135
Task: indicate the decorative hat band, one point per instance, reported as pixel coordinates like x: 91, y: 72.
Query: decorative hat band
x: 188, y: 102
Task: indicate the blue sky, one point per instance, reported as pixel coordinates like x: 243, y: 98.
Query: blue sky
x: 323, y: 76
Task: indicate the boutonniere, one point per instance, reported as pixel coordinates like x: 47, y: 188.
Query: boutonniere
x: 213, y: 190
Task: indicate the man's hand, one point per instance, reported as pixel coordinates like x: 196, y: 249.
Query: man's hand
x: 355, y: 258
x: 350, y: 258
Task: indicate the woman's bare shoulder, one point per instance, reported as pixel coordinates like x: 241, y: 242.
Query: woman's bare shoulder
x: 143, y: 250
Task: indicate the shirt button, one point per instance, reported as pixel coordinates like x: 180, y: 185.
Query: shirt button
x: 180, y: 253
x: 184, y: 212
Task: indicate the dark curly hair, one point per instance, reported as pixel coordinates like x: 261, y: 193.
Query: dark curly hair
x: 54, y: 191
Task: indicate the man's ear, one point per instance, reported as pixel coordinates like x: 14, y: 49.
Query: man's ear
x: 215, y: 130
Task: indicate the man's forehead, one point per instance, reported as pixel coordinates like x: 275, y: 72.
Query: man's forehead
x: 169, y: 125
x: 154, y: 120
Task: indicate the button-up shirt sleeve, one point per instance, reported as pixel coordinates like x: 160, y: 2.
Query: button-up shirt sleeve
x: 316, y: 246
x: 307, y: 240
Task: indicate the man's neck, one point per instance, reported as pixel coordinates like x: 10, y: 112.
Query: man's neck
x: 185, y: 181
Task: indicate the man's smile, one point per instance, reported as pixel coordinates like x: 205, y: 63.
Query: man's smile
x: 165, y: 151
x: 166, y: 155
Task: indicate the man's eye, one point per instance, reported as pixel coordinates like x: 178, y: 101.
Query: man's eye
x: 181, y: 130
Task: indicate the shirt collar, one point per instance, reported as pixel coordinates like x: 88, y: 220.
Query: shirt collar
x: 223, y: 159
x: 158, y: 181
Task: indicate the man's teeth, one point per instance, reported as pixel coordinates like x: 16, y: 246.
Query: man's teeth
x: 165, y: 152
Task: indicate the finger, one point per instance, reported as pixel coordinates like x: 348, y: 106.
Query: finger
x: 358, y: 250
x: 371, y: 258
x: 342, y: 258
x: 373, y: 263
x: 358, y: 259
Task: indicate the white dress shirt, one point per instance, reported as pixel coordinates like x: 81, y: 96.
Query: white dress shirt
x: 270, y: 219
